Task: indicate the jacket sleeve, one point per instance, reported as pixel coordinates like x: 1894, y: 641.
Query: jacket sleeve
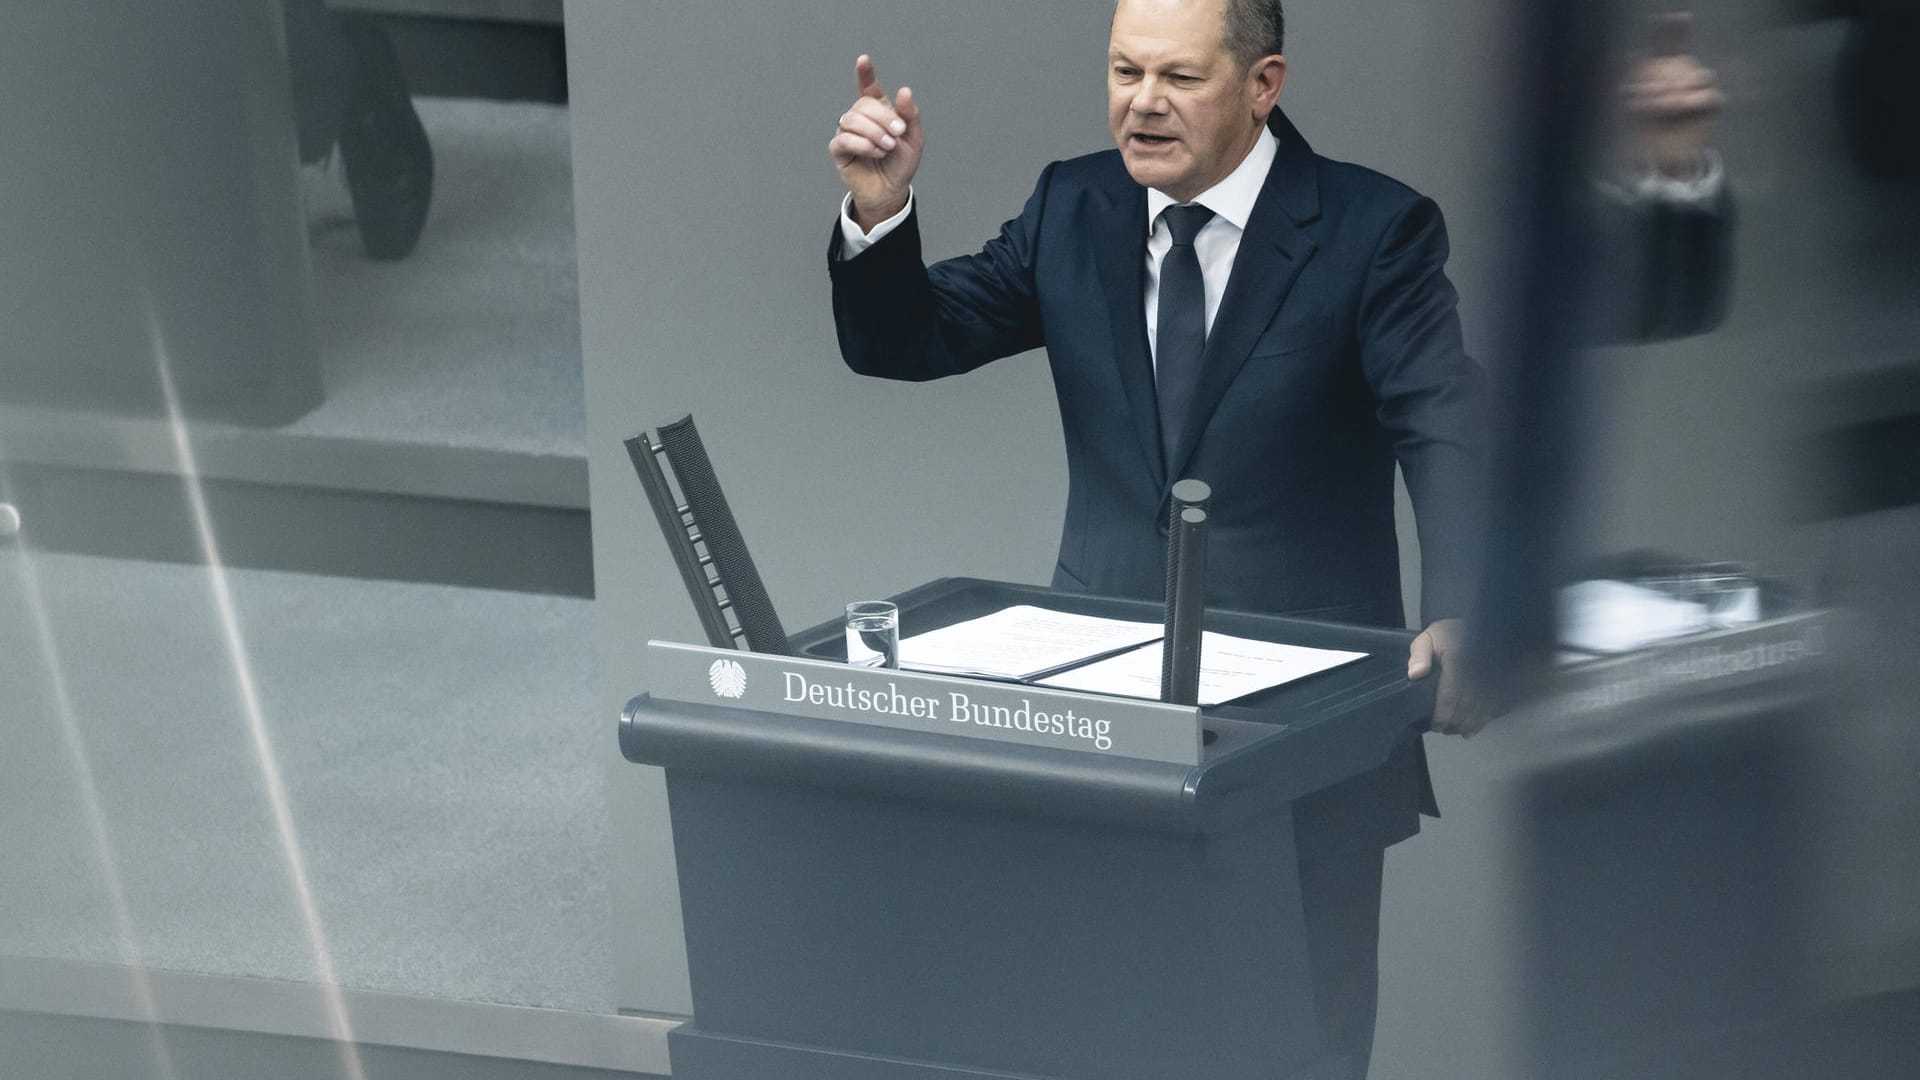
x: 1662, y: 270
x: 1430, y: 397
x: 900, y: 319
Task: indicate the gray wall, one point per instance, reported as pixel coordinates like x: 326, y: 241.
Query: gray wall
x: 704, y: 200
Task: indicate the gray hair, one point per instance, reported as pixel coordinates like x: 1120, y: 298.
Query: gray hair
x: 1255, y: 28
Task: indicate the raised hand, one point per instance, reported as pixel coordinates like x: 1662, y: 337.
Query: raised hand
x: 877, y: 147
x: 1669, y: 100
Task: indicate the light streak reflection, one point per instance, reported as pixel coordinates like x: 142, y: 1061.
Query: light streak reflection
x: 339, y: 1022
x: 126, y: 938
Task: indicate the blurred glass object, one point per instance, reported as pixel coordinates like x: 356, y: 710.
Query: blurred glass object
x: 1711, y: 829
x: 350, y: 93
x: 273, y: 512
x: 147, y: 180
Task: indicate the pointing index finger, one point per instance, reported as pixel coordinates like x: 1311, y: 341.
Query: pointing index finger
x: 865, y: 78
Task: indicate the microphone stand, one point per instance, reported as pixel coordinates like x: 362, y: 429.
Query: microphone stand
x: 1186, y: 592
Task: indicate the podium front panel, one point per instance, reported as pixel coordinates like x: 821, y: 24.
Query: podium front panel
x: 869, y: 903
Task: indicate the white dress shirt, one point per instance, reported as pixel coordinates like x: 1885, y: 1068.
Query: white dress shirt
x: 1653, y: 186
x: 1231, y: 201
x: 853, y: 241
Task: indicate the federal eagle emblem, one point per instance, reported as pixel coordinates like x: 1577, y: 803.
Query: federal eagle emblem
x: 728, y: 678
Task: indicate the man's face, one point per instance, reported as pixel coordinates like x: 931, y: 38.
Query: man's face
x: 1183, y: 111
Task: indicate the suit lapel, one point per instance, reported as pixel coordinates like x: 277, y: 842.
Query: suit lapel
x: 1120, y: 255
x: 1273, y: 250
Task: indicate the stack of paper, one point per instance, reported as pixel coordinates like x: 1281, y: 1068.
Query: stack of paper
x: 1022, y: 642
x: 1230, y: 667
x: 1613, y: 616
x: 1066, y: 651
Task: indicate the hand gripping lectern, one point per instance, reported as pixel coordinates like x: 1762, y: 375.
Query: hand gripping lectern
x: 879, y: 884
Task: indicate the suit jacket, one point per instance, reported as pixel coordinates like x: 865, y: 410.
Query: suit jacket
x: 1335, y: 352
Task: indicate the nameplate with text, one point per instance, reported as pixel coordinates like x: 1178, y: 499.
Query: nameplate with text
x: 1718, y: 662
x: 935, y: 704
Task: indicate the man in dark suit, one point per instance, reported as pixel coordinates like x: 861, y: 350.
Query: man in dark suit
x: 1219, y: 302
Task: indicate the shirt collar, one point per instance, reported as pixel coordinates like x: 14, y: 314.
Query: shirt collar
x: 1233, y: 197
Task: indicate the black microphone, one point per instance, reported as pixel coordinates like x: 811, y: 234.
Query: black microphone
x: 1186, y: 592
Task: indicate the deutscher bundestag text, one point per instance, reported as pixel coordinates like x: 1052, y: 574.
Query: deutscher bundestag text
x: 958, y: 709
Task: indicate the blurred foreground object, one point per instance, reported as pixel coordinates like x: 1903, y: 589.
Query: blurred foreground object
x: 1660, y: 821
x: 1592, y: 259
x: 1603, y: 616
x: 349, y: 91
x: 1669, y: 101
x: 1664, y: 224
x: 150, y: 214
x: 1714, y: 822
x: 1879, y: 88
x: 1861, y: 443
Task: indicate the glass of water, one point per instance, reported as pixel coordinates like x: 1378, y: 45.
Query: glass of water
x: 873, y: 634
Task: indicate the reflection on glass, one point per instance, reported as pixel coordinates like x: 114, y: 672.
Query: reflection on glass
x: 1704, y: 814
x: 292, y: 478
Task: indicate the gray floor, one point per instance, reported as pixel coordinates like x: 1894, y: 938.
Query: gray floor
x: 441, y: 754
x: 474, y: 339
x: 440, y: 746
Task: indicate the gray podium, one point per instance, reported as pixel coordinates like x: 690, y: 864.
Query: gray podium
x: 1659, y: 826
x: 880, y: 885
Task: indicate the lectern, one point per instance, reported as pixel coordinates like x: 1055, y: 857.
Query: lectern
x: 887, y: 875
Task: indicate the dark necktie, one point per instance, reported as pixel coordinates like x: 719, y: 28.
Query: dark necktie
x: 1181, y: 336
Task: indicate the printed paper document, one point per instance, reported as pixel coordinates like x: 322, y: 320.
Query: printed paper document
x: 1021, y: 642
x: 1230, y: 667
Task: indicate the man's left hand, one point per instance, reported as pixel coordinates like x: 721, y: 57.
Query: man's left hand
x: 1443, y: 646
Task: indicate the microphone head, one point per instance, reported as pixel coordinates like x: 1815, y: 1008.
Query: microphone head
x: 1191, y: 491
